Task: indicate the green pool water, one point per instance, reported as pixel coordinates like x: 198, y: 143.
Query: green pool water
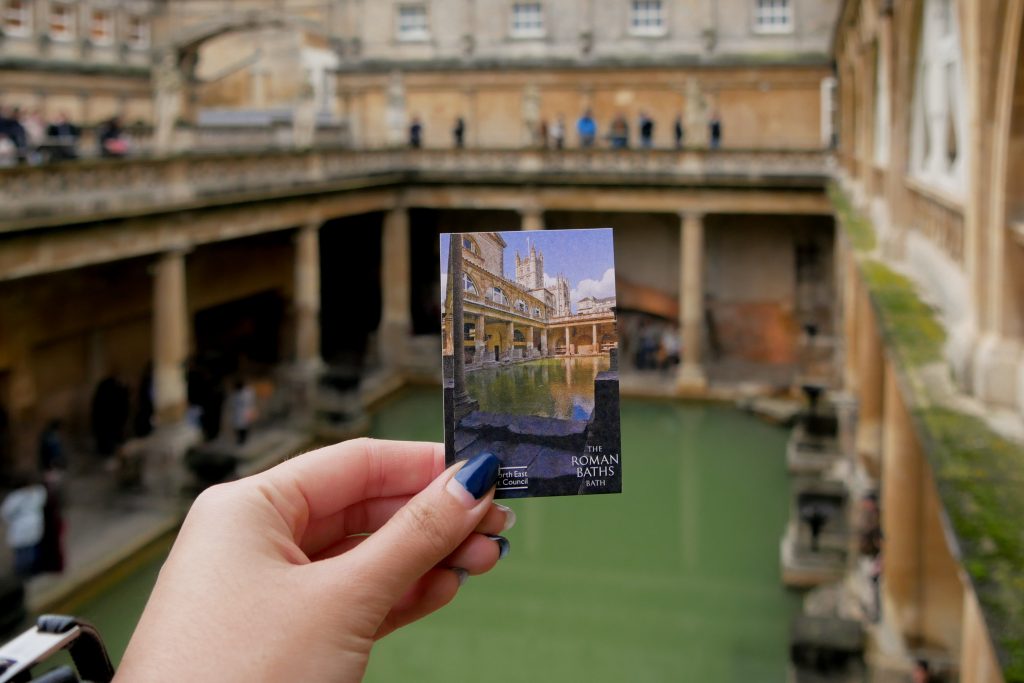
x: 553, y: 387
x: 676, y: 579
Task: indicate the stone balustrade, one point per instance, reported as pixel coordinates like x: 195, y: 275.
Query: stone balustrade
x: 96, y: 189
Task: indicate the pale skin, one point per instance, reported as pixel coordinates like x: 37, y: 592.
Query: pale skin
x: 293, y: 574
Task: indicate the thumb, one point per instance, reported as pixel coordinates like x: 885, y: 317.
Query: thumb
x: 426, y: 530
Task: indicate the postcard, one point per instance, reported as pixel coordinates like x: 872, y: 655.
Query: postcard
x: 530, y: 358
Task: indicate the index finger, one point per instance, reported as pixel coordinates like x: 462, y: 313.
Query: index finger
x: 325, y: 481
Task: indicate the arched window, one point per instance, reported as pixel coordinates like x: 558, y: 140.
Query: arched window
x: 938, y: 130
x: 498, y: 297
x: 521, y: 306
x: 469, y: 245
x: 467, y: 284
x: 536, y: 312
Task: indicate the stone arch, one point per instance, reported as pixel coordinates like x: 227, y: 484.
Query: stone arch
x: 175, y: 82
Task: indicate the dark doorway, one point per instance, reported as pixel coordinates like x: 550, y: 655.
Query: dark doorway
x: 350, y: 287
x: 242, y: 335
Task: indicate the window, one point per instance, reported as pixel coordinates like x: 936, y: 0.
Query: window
x: 521, y: 306
x: 527, y: 20
x: 647, y: 18
x: 536, y: 312
x: 62, y: 22
x: 498, y: 297
x: 17, y: 18
x: 138, y: 32
x: 467, y: 284
x: 412, y: 22
x: 101, y: 27
x: 773, y: 16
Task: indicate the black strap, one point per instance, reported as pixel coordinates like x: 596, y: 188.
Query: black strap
x: 87, y: 651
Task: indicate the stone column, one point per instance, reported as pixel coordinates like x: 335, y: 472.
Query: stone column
x: 532, y: 219
x: 567, y: 340
x: 593, y: 336
x: 396, y: 319
x: 529, y: 342
x: 511, y: 339
x: 691, y: 301
x: 544, y: 342
x: 170, y: 338
x: 849, y: 285
x: 307, y: 298
x: 481, y: 339
x: 902, y: 512
x: 870, y: 370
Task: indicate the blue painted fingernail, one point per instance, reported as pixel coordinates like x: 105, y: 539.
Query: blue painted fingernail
x: 503, y: 545
x: 479, y: 474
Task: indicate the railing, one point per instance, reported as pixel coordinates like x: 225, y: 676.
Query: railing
x: 938, y: 219
x: 90, y: 189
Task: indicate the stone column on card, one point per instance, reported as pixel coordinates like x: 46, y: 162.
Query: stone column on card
x: 544, y: 342
x: 567, y: 340
x: 593, y: 337
x: 511, y: 341
x: 480, y: 347
x: 691, y: 375
x: 529, y: 343
x: 396, y: 318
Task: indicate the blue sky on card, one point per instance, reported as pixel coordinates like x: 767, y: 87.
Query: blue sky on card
x: 585, y: 257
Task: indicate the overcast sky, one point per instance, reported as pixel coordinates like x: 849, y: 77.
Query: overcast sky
x: 585, y: 257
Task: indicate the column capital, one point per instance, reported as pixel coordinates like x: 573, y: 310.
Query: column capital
x: 692, y: 215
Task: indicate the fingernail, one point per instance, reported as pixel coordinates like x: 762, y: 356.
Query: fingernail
x: 476, y: 478
x: 461, y: 573
x: 503, y: 545
x: 510, y: 516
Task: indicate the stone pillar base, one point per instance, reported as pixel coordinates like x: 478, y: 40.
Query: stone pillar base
x: 691, y: 379
x: 165, y: 450
x: 392, y: 339
x: 996, y: 365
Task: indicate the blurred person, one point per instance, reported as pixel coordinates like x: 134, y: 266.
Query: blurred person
x: 619, y: 132
x: 310, y: 563
x: 870, y: 526
x: 50, y: 553
x: 558, y: 132
x: 22, y: 512
x: 35, y: 135
x: 112, y: 140
x: 143, y: 422
x: 243, y: 410
x: 459, y: 133
x: 646, y: 128
x: 51, y: 449
x: 679, y: 131
x: 815, y: 517
x: 111, y: 408
x: 669, y: 348
x: 12, y: 129
x: 586, y: 129
x: 63, y: 138
x: 921, y: 672
x: 416, y: 133
x: 543, y: 134
x: 715, y: 130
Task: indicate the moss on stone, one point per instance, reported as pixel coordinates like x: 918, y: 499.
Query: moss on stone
x: 856, y: 227
x: 908, y: 324
x: 979, y: 473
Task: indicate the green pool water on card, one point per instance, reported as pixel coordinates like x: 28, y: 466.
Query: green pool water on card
x: 676, y: 579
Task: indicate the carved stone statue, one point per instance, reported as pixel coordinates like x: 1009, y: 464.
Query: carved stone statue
x: 696, y: 115
x: 168, y: 88
x: 531, y: 115
x: 396, y: 114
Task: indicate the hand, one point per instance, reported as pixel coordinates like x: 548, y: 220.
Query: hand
x: 274, y: 578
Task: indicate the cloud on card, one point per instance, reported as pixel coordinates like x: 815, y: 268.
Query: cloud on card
x: 596, y: 288
x: 549, y: 281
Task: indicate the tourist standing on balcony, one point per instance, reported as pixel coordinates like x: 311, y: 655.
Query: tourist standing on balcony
x: 11, y: 128
x: 459, y: 133
x: 586, y: 128
x: 619, y: 133
x: 715, y: 130
x: 63, y: 138
x: 646, y: 126
x: 558, y: 132
x: 416, y: 133
x: 679, y: 131
x: 112, y: 140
